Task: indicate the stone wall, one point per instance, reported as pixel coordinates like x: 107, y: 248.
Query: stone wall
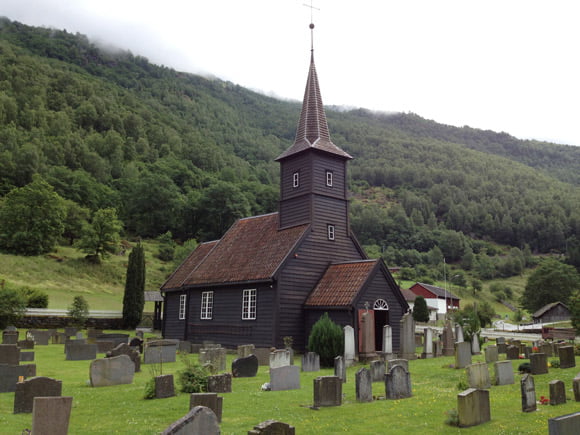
x: 49, y: 322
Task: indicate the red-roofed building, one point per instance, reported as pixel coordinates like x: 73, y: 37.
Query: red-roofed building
x: 274, y: 275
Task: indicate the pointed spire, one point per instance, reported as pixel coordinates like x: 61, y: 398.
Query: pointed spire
x: 312, y: 131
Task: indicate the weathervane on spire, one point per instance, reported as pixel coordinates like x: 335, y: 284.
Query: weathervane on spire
x: 311, y: 22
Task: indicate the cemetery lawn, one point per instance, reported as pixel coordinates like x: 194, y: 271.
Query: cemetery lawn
x: 122, y: 409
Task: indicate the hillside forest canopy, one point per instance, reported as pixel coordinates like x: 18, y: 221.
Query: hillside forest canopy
x: 175, y: 153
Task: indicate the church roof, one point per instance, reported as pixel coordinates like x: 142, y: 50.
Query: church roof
x: 312, y: 131
x: 341, y: 283
x: 251, y: 250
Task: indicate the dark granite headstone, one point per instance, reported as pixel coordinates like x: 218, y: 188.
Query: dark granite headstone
x: 473, y: 407
x: 184, y: 346
x: 9, y: 375
x: 272, y: 427
x: 327, y: 391
x: 364, y: 385
x: 27, y: 356
x: 199, y: 420
x: 9, y: 337
x: 9, y: 354
x: 557, y: 392
x: 117, y: 339
x: 576, y: 388
x: 104, y: 346
x: 528, y: 392
x: 59, y: 338
x: 219, y: 383
x: 26, y: 344
x: 80, y: 352
x: 210, y: 400
x: 125, y: 349
x: 547, y: 349
x: 564, y: 425
x: 27, y: 390
x: 40, y: 337
x: 51, y: 415
x: 513, y: 352
x: 246, y: 367
x: 164, y: 386
x: 538, y: 363
x: 70, y: 331
x: 398, y: 383
x: 566, y: 355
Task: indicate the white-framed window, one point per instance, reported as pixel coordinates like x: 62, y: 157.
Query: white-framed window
x: 330, y: 229
x: 296, y: 179
x: 329, y: 178
x: 380, y: 304
x: 182, y: 302
x: 249, y: 304
x: 206, y: 305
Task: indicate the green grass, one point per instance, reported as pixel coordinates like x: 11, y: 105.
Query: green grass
x: 121, y: 409
x: 65, y: 274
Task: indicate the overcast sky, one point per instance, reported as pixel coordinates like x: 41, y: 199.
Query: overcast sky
x: 503, y: 65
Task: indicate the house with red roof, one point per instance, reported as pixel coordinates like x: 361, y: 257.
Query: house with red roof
x: 273, y: 276
x: 436, y: 297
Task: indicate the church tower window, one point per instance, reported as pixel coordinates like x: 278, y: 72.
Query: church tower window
x: 296, y: 179
x: 329, y: 178
x: 330, y: 229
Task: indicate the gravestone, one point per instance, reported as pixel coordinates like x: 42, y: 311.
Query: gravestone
x: 219, y: 383
x: 160, y: 351
x: 349, y: 349
x: 397, y: 362
x: 280, y: 358
x: 164, y: 386
x: 9, y: 375
x: 216, y: 357
x: 125, y: 349
x: 504, y: 373
x: 473, y: 407
x: 475, y: 349
x: 438, y: 348
x: 576, y: 388
x: 40, y: 337
x: 27, y: 356
x: 93, y: 333
x: 513, y: 352
x: 557, y: 392
x: 364, y: 385
x: 199, y: 420
x: 263, y: 355
x: 116, y: 370
x: 407, y: 337
x: 9, y: 354
x: 367, y: 338
x: 245, y: 367
x: 80, y: 352
x: 462, y: 354
x: 547, y: 349
x: 340, y: 368
x: 459, y: 334
x: 538, y: 363
x: 117, y: 339
x: 272, y: 427
x: 59, y: 338
x: 71, y: 342
x: 502, y: 348
x: 566, y: 355
x: 387, y: 341
x: 528, y: 392
x: 182, y: 347
x: 491, y: 354
x: 428, y: 343
x: 327, y: 391
x: 377, y: 370
x: 310, y: 362
x: 527, y: 352
x: 245, y: 350
x: 398, y: 383
x: 136, y: 343
x: 209, y: 400
x: 70, y: 331
x: 27, y: 390
x: 285, y: 378
x: 26, y: 344
x: 478, y: 376
x: 104, y: 346
x: 51, y: 415
x: 564, y: 425
x: 448, y: 340
x: 9, y: 337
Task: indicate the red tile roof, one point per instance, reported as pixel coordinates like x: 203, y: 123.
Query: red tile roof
x: 408, y: 295
x: 312, y: 131
x: 181, y: 273
x: 341, y: 283
x: 251, y: 250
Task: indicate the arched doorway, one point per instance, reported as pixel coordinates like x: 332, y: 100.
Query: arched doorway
x: 381, y: 309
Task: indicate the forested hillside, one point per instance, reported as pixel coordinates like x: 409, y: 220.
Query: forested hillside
x: 176, y: 152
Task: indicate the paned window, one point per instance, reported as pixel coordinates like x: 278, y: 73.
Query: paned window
x: 182, y: 301
x: 380, y: 304
x: 330, y: 229
x: 206, y: 305
x: 249, y: 304
x: 296, y: 179
x: 329, y: 178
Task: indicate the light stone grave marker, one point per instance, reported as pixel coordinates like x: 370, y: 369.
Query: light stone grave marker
x: 528, y: 393
x: 398, y: 383
x: 473, y: 407
x: 363, y: 385
x: 327, y: 391
x: 504, y: 373
x: 349, y: 349
x: 285, y: 378
x: 199, y: 420
x: 51, y: 415
x: 478, y: 376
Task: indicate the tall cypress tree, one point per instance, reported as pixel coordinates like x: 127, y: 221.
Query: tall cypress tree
x: 134, y: 297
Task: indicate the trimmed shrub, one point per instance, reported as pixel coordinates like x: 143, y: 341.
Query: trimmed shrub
x: 34, y: 298
x: 193, y: 378
x: 326, y: 339
x: 79, y: 311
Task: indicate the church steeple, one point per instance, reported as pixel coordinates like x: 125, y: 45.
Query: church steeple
x: 312, y: 131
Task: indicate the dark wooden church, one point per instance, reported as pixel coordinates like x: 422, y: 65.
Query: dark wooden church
x: 273, y: 276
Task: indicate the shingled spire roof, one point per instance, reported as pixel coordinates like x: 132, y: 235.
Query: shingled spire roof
x: 312, y: 131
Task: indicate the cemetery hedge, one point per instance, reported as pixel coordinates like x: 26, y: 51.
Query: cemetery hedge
x: 122, y: 409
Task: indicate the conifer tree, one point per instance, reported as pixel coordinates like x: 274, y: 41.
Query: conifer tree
x: 420, y: 310
x: 134, y: 297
